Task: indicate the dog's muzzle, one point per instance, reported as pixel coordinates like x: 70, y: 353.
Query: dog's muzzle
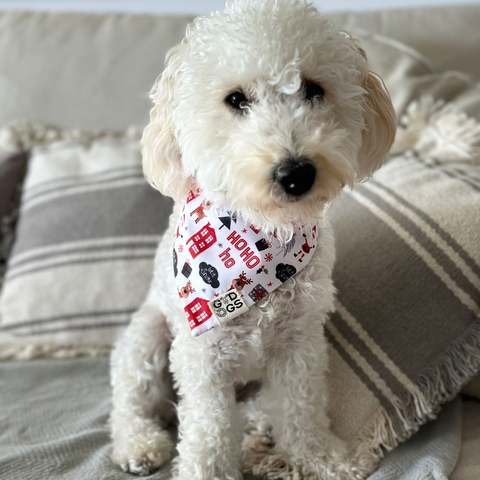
x: 295, y: 176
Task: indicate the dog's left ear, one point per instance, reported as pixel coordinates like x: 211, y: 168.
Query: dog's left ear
x: 161, y: 156
x: 380, y: 125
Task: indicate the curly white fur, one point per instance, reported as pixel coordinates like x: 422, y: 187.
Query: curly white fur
x: 268, y: 49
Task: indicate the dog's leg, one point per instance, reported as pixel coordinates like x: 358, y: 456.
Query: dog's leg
x: 141, y: 394
x: 294, y: 397
x: 209, y: 431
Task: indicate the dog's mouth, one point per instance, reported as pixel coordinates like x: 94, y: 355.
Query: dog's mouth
x: 293, y: 178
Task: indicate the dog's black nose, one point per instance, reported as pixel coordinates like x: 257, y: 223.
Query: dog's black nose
x: 295, y: 176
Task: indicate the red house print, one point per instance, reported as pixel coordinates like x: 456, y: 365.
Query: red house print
x: 191, y: 196
x: 202, y: 240
x: 197, y: 312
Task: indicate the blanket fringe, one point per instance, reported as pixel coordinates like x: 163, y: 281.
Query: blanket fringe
x: 13, y: 351
x: 24, y: 135
x: 437, y: 385
x: 438, y: 131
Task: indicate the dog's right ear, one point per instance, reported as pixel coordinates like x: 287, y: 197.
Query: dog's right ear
x: 380, y: 124
x: 161, y: 157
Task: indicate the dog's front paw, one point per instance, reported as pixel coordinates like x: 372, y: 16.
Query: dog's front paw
x: 275, y: 465
x: 143, y: 453
x: 234, y: 476
x: 143, y: 465
x: 196, y: 470
x: 324, y: 459
x: 280, y: 466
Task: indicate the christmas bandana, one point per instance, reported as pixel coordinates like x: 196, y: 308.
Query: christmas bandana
x: 223, y: 266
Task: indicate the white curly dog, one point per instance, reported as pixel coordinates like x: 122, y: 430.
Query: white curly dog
x: 272, y: 110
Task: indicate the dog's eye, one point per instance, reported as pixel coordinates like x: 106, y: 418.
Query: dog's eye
x: 313, y: 91
x: 237, y: 100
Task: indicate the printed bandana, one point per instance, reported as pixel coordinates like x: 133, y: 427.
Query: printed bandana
x: 223, y: 266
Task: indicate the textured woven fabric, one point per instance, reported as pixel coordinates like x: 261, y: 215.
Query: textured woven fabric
x: 430, y: 454
x: 54, y: 414
x: 54, y: 421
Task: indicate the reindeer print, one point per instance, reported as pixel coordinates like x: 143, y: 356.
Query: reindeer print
x: 240, y: 282
x: 185, y: 291
x: 199, y: 212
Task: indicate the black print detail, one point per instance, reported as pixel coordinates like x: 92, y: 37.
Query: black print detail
x: 262, y: 245
x: 186, y: 270
x: 175, y: 263
x: 209, y: 274
x: 227, y: 220
x: 285, y: 271
x: 262, y: 269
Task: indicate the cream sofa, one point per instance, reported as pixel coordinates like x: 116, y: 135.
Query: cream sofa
x: 95, y: 71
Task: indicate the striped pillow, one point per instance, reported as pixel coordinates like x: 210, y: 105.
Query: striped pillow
x: 405, y: 336
x: 82, y: 261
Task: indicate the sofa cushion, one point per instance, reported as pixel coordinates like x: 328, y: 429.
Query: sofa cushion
x: 468, y: 464
x: 13, y: 166
x: 87, y: 234
x: 12, y: 171
x: 81, y: 70
x: 447, y: 35
x: 95, y: 71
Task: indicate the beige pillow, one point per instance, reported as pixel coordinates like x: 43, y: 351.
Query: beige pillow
x: 82, y: 260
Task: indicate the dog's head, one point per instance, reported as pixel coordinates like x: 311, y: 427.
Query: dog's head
x: 271, y: 109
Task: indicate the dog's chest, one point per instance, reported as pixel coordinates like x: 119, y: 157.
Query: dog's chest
x: 264, y: 328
